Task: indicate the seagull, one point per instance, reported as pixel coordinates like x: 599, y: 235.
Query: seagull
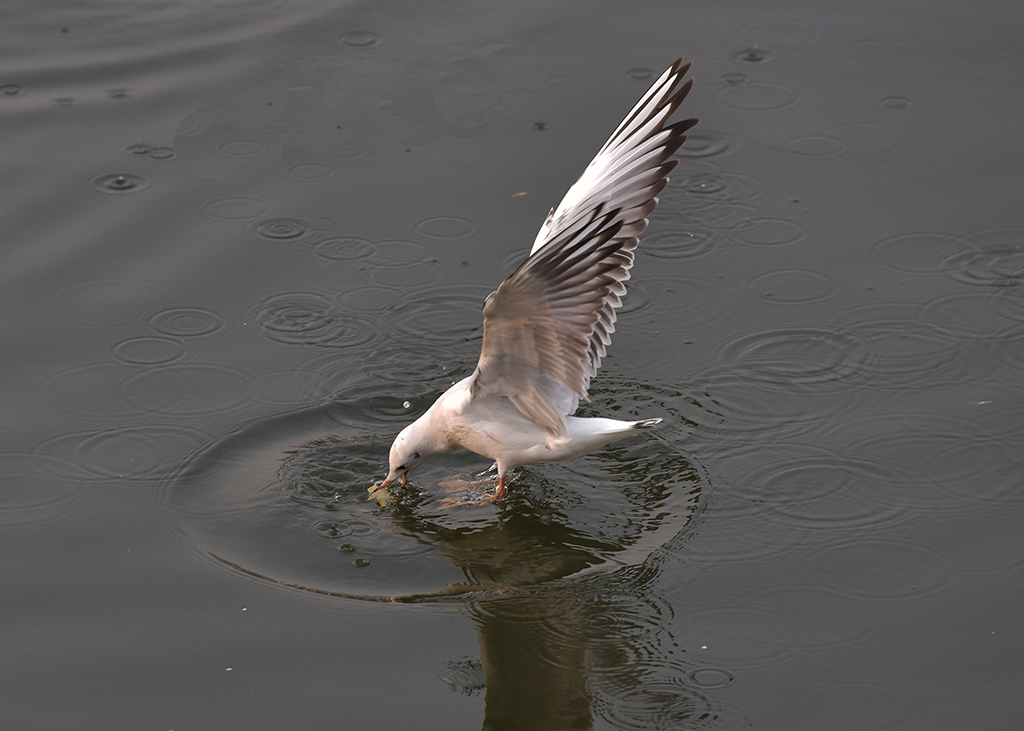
x: 548, y: 325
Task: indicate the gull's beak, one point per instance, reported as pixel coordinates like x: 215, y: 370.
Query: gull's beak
x: 390, y: 480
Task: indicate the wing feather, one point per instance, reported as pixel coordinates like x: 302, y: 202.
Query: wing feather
x: 548, y: 326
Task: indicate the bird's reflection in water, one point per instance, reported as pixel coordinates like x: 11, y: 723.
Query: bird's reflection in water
x: 567, y: 626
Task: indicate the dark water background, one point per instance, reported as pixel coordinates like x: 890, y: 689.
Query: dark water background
x: 244, y: 242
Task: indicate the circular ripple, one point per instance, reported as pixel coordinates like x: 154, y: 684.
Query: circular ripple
x: 274, y: 501
x: 705, y: 143
x: 679, y: 244
x: 29, y: 502
x: 904, y: 169
x: 799, y: 356
x: 148, y: 351
x: 241, y: 149
x: 971, y: 317
x: 858, y: 705
x: 311, y: 171
x: 186, y: 322
x: 666, y: 297
x: 752, y: 55
x: 12, y: 90
x: 907, y: 354
x: 281, y: 228
x: 120, y: 183
x: 99, y: 302
x: 815, y: 146
x: 793, y: 286
x: 93, y: 390
x: 768, y: 232
x: 443, y: 317
x: 716, y: 185
x: 823, y: 492
x: 306, y: 318
x: 235, y: 209
x: 757, y: 96
x: 131, y: 454
x: 869, y: 139
x: 190, y: 389
x: 1002, y: 68
x: 879, y: 569
x: 779, y: 34
x: 343, y: 248
x: 446, y: 227
x: 922, y: 252
x: 995, y: 260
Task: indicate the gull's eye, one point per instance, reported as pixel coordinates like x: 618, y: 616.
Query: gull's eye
x: 415, y: 455
x: 401, y: 468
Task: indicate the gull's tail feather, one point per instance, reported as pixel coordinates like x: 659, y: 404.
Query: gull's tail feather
x: 645, y: 424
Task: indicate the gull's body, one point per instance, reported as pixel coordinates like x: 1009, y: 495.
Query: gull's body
x: 547, y: 326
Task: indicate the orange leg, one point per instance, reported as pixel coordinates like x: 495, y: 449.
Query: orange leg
x: 499, y: 492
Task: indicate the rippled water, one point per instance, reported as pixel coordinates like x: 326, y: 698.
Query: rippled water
x: 246, y: 241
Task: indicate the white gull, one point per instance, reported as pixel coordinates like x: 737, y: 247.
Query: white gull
x: 547, y: 326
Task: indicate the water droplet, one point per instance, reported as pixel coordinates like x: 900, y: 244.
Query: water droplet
x: 346, y: 548
x: 540, y: 126
x: 118, y: 93
x: 641, y: 73
x: 12, y: 89
x: 406, y: 405
x: 64, y: 101
x: 120, y: 183
x: 360, y: 562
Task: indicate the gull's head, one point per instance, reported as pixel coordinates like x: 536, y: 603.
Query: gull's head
x: 407, y: 453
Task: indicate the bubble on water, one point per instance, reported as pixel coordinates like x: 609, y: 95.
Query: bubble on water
x: 406, y: 405
x: 360, y: 562
x: 117, y: 183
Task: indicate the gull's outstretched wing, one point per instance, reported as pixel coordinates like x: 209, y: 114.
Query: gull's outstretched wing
x: 547, y: 326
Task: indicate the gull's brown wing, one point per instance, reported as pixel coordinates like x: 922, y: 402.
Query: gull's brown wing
x: 547, y: 326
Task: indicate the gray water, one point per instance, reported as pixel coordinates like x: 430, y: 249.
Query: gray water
x: 245, y: 242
